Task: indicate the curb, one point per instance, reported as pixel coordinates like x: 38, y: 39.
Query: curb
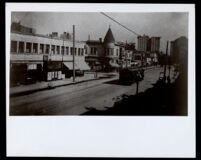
x: 49, y: 88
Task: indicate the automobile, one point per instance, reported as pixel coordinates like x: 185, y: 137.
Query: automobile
x: 69, y: 73
x: 79, y: 73
x: 131, y: 75
x: 29, y: 80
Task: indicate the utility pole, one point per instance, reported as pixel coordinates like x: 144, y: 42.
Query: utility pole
x: 166, y: 55
x: 62, y: 56
x: 73, y: 53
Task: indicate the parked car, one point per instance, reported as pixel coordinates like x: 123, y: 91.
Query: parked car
x: 131, y: 75
x: 79, y: 73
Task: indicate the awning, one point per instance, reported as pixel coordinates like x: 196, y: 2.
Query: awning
x: 69, y: 65
x: 83, y: 65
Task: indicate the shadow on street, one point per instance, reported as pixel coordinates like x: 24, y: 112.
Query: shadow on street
x: 161, y: 99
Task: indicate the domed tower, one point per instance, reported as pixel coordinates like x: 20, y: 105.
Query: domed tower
x: 109, y: 38
x: 109, y: 43
x: 111, y: 56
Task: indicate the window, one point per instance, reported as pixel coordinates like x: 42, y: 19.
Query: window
x: 82, y: 51
x: 35, y: 48
x: 75, y: 51
x: 85, y: 50
x: 41, y: 48
x: 71, y: 50
x: 13, y: 46
x: 53, y: 49
x: 112, y: 51
x: 78, y: 51
x: 92, y: 50
x: 58, y: 50
x: 47, y: 48
x: 117, y: 52
x: 67, y: 50
x: 62, y: 50
x: 28, y: 47
x: 95, y: 51
x: 21, y: 47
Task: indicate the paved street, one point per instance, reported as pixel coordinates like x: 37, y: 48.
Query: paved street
x: 77, y: 99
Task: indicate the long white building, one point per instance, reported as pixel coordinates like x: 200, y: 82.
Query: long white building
x: 44, y: 57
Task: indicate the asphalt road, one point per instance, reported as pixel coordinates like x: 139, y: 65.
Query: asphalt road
x: 75, y: 100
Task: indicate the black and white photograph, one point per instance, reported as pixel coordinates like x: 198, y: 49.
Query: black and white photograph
x: 82, y: 62
x: 101, y: 63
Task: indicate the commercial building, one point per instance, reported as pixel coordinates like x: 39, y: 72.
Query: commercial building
x: 42, y: 57
x: 143, y: 43
x: 147, y: 44
x: 179, y: 51
x: 149, y: 47
x: 94, y: 54
x: 107, y: 55
x: 155, y: 44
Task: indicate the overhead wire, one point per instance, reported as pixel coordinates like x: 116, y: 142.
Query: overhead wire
x: 120, y: 24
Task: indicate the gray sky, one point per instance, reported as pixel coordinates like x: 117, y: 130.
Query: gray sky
x: 167, y: 25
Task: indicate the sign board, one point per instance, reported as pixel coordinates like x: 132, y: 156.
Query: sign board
x: 49, y: 76
x: 31, y: 66
x: 59, y: 75
x: 52, y: 75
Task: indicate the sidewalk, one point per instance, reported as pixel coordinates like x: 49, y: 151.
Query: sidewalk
x: 23, y: 89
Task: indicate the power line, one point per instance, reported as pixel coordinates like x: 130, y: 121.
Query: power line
x: 120, y: 24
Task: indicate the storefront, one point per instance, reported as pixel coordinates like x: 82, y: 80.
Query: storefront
x: 25, y: 73
x: 52, y: 70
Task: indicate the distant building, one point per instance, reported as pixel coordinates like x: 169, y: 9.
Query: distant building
x: 17, y: 27
x: 149, y: 47
x: 94, y: 54
x: 155, y: 44
x: 108, y: 54
x: 66, y: 36
x: 179, y: 50
x: 143, y: 44
x: 147, y: 44
x: 138, y: 58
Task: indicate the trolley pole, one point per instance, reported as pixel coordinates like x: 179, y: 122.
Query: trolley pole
x: 62, y: 56
x: 73, y: 53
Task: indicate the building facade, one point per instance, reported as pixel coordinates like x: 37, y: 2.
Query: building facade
x: 94, y: 54
x: 155, y: 44
x: 179, y: 51
x: 107, y: 55
x: 143, y: 43
x: 42, y: 57
x: 147, y: 44
x: 149, y: 47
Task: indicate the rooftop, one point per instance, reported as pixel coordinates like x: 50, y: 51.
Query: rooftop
x: 109, y: 37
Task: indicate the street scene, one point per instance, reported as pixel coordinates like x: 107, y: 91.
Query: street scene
x: 98, y: 64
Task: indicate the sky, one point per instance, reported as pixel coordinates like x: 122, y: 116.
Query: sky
x: 167, y: 25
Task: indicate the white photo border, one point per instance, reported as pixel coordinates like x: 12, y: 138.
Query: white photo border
x: 103, y: 136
